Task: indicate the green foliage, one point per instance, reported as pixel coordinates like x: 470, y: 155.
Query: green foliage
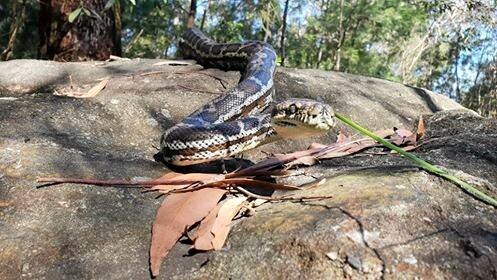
x: 74, y: 14
x: 482, y: 96
x: 152, y: 28
x: 421, y: 163
x: 27, y: 33
x: 432, y: 44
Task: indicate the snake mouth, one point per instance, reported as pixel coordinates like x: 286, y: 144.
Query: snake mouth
x: 284, y: 123
x: 291, y: 129
x: 297, y: 118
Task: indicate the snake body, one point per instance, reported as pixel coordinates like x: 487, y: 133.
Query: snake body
x: 237, y: 120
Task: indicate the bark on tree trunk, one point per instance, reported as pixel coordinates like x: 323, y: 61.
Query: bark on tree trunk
x: 93, y: 35
x: 191, y: 14
x: 283, y: 33
x: 340, y: 39
x: 18, y: 16
x: 117, y: 50
x: 204, y: 15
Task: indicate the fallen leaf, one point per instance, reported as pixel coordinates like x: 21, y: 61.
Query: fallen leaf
x: 403, y: 137
x: 117, y: 58
x: 174, y: 62
x: 222, y: 224
x: 5, y: 203
x: 404, y: 133
x: 90, y: 93
x: 316, y: 146
x: 178, y: 212
x: 201, y: 178
x: 384, y: 133
x: 316, y: 151
x: 96, y: 89
x: 342, y: 138
x: 255, y: 183
x: 202, y: 238
x: 257, y: 202
x: 421, y: 131
x: 305, y: 160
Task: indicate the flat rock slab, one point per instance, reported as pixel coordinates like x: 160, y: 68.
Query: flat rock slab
x: 387, y: 218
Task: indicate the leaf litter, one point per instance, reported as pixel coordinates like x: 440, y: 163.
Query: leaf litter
x: 78, y: 93
x: 207, y: 203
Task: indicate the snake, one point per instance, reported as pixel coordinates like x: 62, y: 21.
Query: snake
x: 244, y: 117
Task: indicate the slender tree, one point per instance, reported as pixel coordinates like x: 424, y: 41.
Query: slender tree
x: 204, y: 15
x: 116, y: 34
x: 283, y: 33
x: 191, y: 14
x: 341, y: 36
x: 18, y: 17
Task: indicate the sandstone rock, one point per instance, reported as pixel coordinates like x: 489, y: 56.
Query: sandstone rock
x: 387, y: 219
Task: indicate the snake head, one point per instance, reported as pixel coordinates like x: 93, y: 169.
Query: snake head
x: 298, y: 117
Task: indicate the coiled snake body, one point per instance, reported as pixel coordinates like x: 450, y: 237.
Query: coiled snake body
x: 238, y: 120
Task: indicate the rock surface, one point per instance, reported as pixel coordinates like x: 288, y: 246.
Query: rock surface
x: 387, y: 218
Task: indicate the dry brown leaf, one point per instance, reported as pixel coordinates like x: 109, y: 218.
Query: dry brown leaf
x: 316, y: 151
x: 420, y: 131
x: 214, y: 229
x: 96, y: 89
x: 260, y: 167
x: 342, y: 138
x: 334, y: 154
x: 409, y: 148
x: 305, y: 160
x: 174, y: 62
x: 384, y: 133
x: 178, y: 212
x: 256, y: 183
x: 202, y: 238
x: 316, y: 146
x: 5, y: 203
x: 226, y: 213
x: 170, y: 175
x: 403, y: 137
x: 90, y: 93
x: 117, y: 58
x: 203, y: 178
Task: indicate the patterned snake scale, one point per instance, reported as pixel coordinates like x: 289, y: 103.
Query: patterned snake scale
x: 235, y: 121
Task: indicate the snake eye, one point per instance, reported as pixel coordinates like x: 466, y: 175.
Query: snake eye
x: 292, y: 109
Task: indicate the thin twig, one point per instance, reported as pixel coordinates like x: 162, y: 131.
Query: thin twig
x: 201, y: 72
x: 279, y: 198
x: 198, y: 90
x: 154, y: 73
x: 99, y: 182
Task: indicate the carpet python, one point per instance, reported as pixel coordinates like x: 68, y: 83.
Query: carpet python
x: 244, y: 117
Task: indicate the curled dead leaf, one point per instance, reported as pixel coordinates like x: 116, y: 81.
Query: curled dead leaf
x: 420, y: 131
x: 226, y: 213
x: 178, y: 212
x: 174, y: 62
x: 90, y: 93
x: 202, y: 238
x: 188, y: 179
x: 214, y: 229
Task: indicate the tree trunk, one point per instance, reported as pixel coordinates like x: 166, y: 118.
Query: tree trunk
x: 204, y: 15
x: 93, y: 35
x: 283, y: 32
x: 340, y: 39
x: 116, y: 34
x: 321, y: 42
x: 191, y: 14
x: 18, y: 16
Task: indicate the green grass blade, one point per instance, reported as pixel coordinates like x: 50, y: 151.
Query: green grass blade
x: 423, y: 164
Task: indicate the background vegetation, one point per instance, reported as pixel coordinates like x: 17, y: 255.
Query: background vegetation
x: 448, y: 46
